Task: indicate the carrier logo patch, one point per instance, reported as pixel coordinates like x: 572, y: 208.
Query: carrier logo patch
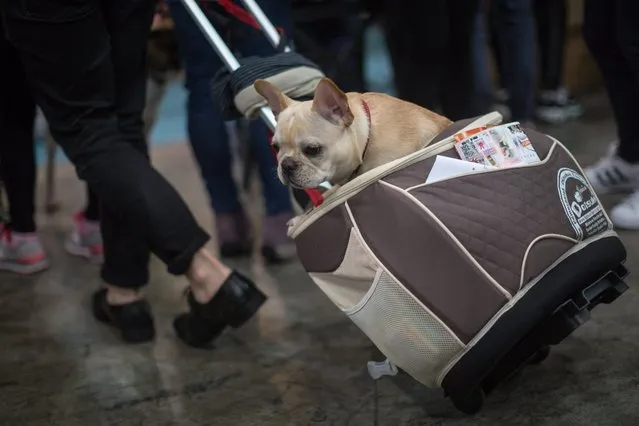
x: 584, y: 212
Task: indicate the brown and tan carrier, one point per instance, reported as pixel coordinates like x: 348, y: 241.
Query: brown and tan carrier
x: 462, y: 281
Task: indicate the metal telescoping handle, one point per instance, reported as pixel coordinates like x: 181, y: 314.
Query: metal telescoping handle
x: 230, y: 61
x: 265, y: 24
x: 216, y: 41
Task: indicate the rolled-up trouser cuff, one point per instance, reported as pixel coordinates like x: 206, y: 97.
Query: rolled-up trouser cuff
x: 181, y: 263
x: 125, y: 279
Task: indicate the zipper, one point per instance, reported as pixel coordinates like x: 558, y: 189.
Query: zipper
x: 359, y: 183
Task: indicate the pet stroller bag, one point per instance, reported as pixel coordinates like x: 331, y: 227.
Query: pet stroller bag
x: 462, y: 281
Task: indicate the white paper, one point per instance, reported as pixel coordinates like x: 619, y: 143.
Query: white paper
x: 446, y: 167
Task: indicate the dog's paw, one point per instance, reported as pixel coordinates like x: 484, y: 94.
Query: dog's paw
x: 293, y: 222
x: 291, y: 225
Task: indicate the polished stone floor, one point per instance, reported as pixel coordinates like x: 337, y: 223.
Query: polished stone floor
x: 300, y: 362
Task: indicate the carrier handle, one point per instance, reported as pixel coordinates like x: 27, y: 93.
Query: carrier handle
x: 272, y: 34
x: 215, y: 40
x: 230, y: 61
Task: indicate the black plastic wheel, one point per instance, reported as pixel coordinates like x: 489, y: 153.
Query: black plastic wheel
x: 469, y: 402
x: 539, y: 357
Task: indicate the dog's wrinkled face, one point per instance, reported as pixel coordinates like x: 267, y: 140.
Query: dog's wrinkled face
x: 314, y: 140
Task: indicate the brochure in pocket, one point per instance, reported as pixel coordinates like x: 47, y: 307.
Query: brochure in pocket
x: 506, y: 145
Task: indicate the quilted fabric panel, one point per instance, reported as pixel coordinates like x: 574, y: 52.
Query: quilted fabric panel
x: 497, y: 215
x: 332, y: 233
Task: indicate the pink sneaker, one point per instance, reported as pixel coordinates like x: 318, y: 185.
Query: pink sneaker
x: 85, y: 240
x: 21, y: 253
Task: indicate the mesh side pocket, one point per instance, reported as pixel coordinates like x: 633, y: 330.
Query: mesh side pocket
x: 406, y: 333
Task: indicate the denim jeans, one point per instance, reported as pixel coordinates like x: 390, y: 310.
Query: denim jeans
x: 206, y: 128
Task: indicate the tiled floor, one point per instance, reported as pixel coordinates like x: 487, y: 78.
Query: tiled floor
x: 300, y: 362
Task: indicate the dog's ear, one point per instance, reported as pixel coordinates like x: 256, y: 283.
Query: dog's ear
x: 277, y: 100
x: 331, y: 103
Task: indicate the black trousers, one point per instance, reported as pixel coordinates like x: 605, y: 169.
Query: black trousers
x: 17, y: 150
x: 551, y: 17
x: 430, y: 44
x: 611, y: 32
x: 512, y: 37
x: 86, y: 62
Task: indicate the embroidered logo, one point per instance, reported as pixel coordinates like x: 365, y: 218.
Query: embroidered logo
x: 584, y: 212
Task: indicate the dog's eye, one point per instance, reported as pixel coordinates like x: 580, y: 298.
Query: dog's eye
x: 276, y: 147
x: 312, y: 150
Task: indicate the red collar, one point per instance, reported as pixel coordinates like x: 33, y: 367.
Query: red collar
x: 368, y: 138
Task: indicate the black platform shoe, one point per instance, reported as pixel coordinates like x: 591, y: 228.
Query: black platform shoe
x: 234, y: 304
x: 133, y: 320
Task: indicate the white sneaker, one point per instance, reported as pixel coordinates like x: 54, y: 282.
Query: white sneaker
x: 612, y: 174
x: 625, y: 215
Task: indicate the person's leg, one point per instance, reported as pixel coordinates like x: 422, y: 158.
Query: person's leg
x: 92, y: 209
x: 551, y: 20
x: 126, y: 258
x: 432, y: 57
x: 75, y: 88
x: 276, y: 246
x: 67, y: 56
x: 554, y: 103
x: 500, y: 94
x: 20, y: 247
x: 514, y: 27
x: 208, y: 136
x: 612, y: 36
x: 211, y: 145
x: 603, y: 36
x: 483, y: 80
x: 460, y: 98
x: 417, y: 34
x: 85, y: 239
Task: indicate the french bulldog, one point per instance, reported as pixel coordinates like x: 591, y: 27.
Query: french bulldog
x: 338, y: 136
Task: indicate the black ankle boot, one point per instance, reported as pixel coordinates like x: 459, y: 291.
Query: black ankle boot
x: 133, y: 320
x: 235, y: 303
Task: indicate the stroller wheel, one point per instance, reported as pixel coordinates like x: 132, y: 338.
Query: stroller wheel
x: 469, y: 402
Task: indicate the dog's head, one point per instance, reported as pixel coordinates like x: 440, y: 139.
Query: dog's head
x: 314, y: 140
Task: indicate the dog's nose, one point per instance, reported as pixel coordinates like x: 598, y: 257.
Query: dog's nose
x: 289, y: 165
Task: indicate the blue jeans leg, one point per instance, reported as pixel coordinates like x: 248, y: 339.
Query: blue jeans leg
x: 207, y: 133
x: 276, y: 196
